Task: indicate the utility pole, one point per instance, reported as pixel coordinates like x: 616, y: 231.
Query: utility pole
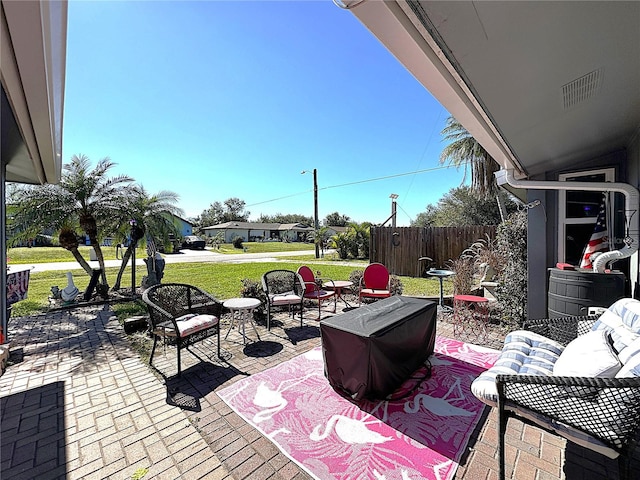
x: 315, y: 211
x: 393, y: 197
x: 316, y: 221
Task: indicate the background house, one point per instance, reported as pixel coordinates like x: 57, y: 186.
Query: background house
x: 184, y: 227
x: 550, y: 90
x: 257, y: 232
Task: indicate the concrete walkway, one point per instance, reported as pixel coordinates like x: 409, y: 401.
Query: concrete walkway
x: 78, y: 403
x: 184, y: 256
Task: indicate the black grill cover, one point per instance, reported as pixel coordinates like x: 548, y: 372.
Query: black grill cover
x: 370, y: 351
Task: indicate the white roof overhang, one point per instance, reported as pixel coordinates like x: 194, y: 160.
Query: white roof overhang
x: 33, y: 36
x: 511, y: 72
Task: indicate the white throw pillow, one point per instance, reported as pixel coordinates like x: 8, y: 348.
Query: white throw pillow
x: 589, y: 355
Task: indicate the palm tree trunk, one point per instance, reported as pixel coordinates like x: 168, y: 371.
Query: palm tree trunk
x: 80, y: 259
x: 100, y: 257
x: 125, y: 260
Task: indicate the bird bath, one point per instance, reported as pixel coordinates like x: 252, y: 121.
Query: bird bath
x: 441, y: 274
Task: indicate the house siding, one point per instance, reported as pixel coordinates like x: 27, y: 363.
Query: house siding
x: 543, y: 224
x: 633, y: 163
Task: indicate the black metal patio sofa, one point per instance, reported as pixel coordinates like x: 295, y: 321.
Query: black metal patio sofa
x: 578, y: 377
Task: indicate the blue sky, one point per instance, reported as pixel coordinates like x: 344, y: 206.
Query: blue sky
x: 217, y: 99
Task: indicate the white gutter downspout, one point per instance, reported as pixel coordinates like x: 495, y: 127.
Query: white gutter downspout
x: 631, y: 213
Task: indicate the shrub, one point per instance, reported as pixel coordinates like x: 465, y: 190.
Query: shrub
x: 463, y: 280
x: 237, y: 242
x: 252, y: 289
x: 341, y: 243
x: 511, y: 244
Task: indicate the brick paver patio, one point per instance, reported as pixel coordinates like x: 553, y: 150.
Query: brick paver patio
x: 77, y: 403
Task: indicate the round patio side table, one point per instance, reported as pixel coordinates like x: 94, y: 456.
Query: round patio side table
x: 242, y: 308
x: 470, y: 317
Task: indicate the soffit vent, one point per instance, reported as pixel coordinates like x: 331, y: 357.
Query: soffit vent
x: 581, y: 89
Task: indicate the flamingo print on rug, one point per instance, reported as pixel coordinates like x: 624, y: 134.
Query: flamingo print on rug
x: 420, y: 435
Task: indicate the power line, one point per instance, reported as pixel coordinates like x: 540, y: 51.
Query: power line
x: 426, y: 170
x: 389, y: 176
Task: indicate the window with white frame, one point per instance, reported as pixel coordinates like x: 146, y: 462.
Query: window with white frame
x: 577, y: 214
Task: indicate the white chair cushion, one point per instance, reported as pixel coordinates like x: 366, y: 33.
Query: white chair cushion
x: 371, y: 292
x: 589, y: 355
x: 187, y: 325
x: 285, y: 299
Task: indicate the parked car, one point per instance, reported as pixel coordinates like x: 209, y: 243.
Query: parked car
x: 193, y: 242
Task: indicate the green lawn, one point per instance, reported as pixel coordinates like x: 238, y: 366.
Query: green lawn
x: 22, y: 255
x: 221, y: 279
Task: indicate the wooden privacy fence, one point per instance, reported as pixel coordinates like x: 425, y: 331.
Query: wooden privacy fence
x: 399, y: 248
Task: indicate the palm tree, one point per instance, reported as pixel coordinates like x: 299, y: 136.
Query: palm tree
x: 153, y: 217
x: 84, y: 197
x: 464, y: 150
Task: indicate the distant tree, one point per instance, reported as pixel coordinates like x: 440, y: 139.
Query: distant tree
x: 464, y: 150
x: 210, y: 216
x: 335, y: 219
x: 460, y: 207
x: 285, y: 218
x: 232, y: 209
x: 426, y: 218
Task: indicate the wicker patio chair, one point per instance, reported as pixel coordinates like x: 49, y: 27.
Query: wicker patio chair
x: 283, y: 288
x: 181, y: 315
x: 602, y: 414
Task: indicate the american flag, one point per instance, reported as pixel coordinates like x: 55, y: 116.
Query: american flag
x: 599, y: 241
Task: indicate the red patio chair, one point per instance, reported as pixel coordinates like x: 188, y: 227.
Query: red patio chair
x: 375, y: 282
x: 312, y: 291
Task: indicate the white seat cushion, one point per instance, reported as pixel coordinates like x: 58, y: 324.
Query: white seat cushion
x: 524, y: 352
x: 284, y: 299
x: 187, y: 325
x: 372, y: 292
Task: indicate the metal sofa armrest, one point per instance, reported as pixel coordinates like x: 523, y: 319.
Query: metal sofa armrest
x: 606, y: 408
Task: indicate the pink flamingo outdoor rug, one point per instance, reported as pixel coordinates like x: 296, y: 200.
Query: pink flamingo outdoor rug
x: 422, y: 435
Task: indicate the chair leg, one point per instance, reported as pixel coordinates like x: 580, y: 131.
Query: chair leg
x: 153, y: 349
x: 178, y: 348
x: 268, y: 316
x: 218, y: 340
x: 502, y: 428
x: 301, y: 307
x: 623, y: 467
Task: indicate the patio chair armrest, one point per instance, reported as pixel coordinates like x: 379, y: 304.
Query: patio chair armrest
x: 325, y: 280
x: 311, y: 287
x: 157, y: 314
x: 563, y: 329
